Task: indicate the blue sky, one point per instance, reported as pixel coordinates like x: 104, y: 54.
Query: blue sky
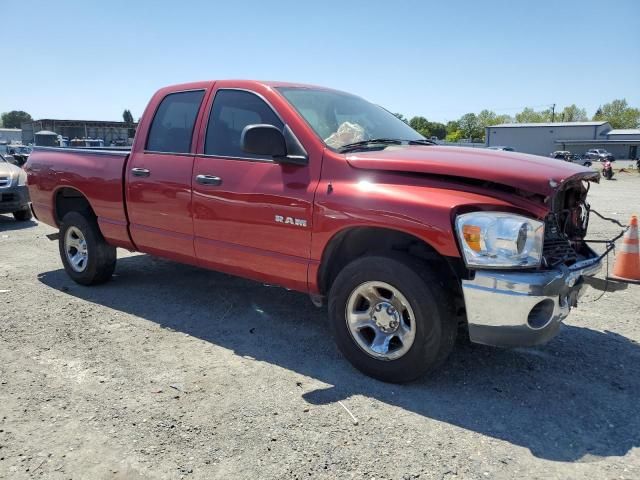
x: 91, y: 60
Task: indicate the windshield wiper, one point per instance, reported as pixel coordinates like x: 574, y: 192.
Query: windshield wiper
x: 383, y: 141
x: 366, y: 143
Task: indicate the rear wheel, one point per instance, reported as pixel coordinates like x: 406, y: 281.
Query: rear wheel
x: 23, y: 215
x: 86, y: 256
x: 391, y: 318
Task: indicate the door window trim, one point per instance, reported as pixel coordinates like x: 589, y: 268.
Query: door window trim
x: 193, y: 129
x: 245, y: 159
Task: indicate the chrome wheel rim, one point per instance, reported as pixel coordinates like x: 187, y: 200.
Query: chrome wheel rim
x: 381, y: 320
x: 75, y: 247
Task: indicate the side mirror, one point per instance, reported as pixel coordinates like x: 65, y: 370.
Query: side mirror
x: 282, y: 146
x: 263, y: 140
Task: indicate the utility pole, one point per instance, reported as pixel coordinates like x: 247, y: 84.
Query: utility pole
x: 553, y: 113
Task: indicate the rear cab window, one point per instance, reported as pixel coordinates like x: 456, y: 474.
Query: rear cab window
x: 231, y: 112
x: 172, y: 126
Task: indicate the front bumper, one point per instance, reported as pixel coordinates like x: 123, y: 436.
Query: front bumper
x: 13, y: 199
x: 513, y: 309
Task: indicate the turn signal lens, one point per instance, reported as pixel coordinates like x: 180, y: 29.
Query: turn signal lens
x: 472, y: 235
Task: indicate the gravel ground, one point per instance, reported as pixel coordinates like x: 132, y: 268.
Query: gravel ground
x: 170, y: 371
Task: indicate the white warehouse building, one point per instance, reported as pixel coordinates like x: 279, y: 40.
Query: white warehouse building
x: 10, y: 135
x: 576, y: 137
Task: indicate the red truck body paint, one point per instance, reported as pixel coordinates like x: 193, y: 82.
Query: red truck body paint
x: 234, y: 227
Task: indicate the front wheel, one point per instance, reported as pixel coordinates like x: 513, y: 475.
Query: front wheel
x: 87, y: 258
x: 391, y: 317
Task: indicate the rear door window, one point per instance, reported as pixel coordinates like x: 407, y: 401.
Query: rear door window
x: 172, y: 127
x: 233, y: 110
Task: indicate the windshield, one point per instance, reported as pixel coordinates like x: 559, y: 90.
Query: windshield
x: 341, y: 119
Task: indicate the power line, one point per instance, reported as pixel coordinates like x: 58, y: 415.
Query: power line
x: 521, y: 107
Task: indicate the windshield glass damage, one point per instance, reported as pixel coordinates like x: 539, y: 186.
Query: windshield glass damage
x: 346, y: 122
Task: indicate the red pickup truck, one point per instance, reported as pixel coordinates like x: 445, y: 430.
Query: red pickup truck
x: 320, y: 191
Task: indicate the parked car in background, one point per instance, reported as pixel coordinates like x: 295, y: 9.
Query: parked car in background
x: 14, y: 196
x: 579, y: 159
x: 9, y: 158
x: 572, y: 157
x: 503, y: 148
x: 20, y: 153
x: 86, y: 142
x: 599, y: 154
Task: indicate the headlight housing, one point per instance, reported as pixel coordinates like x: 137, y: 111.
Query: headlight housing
x: 500, y: 240
x: 22, y: 178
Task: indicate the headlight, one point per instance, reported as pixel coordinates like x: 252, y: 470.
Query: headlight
x: 22, y: 178
x: 500, y: 240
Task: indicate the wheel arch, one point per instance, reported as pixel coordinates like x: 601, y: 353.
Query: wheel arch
x: 69, y: 199
x: 353, y: 242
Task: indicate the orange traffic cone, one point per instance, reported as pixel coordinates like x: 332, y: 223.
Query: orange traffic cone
x: 627, y: 267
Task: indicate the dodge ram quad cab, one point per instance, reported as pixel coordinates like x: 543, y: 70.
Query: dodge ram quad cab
x: 320, y: 191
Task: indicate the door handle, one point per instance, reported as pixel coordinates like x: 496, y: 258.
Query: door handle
x: 208, y: 180
x: 140, y: 172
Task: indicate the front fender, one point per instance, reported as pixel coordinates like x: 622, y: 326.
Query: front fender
x: 426, y: 212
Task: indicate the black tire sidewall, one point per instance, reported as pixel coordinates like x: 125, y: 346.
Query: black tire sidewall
x: 100, y: 264
x: 429, y: 302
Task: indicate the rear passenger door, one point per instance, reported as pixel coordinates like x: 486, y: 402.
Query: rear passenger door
x: 159, y: 179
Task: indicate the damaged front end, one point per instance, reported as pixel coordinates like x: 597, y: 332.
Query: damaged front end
x: 567, y: 223
x: 527, y: 307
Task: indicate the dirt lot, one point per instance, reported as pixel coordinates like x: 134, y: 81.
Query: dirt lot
x: 170, y: 371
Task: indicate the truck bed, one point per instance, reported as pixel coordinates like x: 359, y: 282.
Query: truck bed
x: 97, y: 174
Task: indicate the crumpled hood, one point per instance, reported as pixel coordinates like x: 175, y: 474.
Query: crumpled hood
x: 530, y: 173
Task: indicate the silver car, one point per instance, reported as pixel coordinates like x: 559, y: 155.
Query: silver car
x: 599, y: 154
x: 14, y: 196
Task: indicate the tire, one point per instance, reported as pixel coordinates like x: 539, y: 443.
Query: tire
x: 430, y: 303
x: 587, y: 164
x: 23, y: 215
x: 99, y: 257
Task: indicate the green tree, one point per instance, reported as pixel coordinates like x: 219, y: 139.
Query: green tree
x: 421, y: 125
x: 128, y: 120
x: 529, y: 115
x: 402, y: 117
x: 487, y: 118
x: 15, y: 119
x: 454, y: 136
x: 619, y: 114
x: 438, y: 129
x: 470, y: 127
x: 573, y: 113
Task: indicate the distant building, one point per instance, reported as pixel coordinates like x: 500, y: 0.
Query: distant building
x: 576, y: 137
x: 109, y: 132
x: 10, y: 135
